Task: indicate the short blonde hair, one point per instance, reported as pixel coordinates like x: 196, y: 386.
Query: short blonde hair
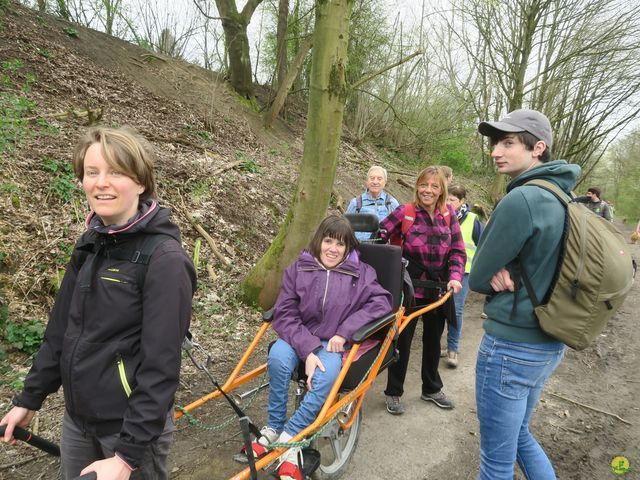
x: 438, y: 174
x: 123, y: 149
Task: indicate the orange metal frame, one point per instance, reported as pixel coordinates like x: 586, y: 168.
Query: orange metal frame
x: 334, y: 402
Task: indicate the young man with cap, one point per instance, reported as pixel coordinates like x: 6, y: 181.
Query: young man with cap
x: 516, y: 357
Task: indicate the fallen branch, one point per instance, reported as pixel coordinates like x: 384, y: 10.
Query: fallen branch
x: 203, y: 232
x: 568, y: 429
x: 147, y: 57
x: 226, y: 167
x: 590, y: 407
x: 179, y: 139
x: 208, y: 238
x: 404, y: 184
x: 22, y: 462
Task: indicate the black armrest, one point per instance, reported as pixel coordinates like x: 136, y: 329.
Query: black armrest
x: 268, y: 315
x: 370, y: 328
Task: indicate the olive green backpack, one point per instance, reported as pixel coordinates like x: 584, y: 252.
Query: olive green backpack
x: 595, y: 272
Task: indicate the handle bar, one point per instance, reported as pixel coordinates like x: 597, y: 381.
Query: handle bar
x: 32, y: 439
x: 44, y: 445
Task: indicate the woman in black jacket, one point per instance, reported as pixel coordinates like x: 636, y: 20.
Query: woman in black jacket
x: 114, y: 335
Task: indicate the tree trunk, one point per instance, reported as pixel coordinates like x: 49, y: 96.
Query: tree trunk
x: 327, y: 94
x: 281, y: 41
x: 234, y: 25
x: 63, y: 10
x: 285, y: 86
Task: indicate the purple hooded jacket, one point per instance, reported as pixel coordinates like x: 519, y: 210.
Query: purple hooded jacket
x: 315, y: 304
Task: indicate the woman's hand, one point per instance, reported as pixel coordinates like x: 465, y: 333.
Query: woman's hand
x: 455, y: 284
x: 336, y: 344
x: 17, y: 416
x: 310, y: 364
x: 502, y: 281
x: 112, y: 468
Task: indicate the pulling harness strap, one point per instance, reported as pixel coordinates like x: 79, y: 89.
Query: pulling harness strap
x: 188, y: 344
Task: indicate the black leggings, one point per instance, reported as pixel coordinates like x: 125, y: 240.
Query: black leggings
x: 433, y: 326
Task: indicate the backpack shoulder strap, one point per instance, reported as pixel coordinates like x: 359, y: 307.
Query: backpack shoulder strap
x: 446, y: 214
x: 358, y: 203
x: 387, y: 203
x: 409, y: 217
x: 143, y: 251
x: 550, y: 187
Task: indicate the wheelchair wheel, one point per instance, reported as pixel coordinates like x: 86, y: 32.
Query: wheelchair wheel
x: 336, y: 446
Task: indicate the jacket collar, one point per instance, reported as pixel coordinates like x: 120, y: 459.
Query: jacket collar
x: 146, y: 211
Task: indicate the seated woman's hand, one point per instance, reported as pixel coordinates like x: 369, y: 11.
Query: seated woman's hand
x: 336, y: 344
x: 310, y: 364
x: 455, y: 284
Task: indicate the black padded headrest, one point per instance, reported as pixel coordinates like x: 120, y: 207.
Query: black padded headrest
x: 363, y: 222
x: 387, y: 261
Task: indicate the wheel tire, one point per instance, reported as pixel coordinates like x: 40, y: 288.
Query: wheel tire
x: 335, y: 453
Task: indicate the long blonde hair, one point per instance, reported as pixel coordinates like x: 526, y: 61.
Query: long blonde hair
x: 433, y: 171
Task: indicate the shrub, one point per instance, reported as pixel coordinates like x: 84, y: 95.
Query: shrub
x: 26, y: 336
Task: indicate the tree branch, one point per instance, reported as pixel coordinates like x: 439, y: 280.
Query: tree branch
x: 384, y: 69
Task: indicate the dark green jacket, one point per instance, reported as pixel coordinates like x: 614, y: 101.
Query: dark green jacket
x: 527, y: 224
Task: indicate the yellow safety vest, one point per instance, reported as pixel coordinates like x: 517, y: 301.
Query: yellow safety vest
x: 466, y: 228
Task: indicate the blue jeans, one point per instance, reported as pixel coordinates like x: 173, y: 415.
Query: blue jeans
x: 453, y: 333
x: 283, y: 361
x: 509, y: 380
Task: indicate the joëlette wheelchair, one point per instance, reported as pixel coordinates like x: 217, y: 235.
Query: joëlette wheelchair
x: 334, y: 434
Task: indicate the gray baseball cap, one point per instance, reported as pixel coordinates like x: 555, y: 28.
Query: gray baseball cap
x: 523, y: 120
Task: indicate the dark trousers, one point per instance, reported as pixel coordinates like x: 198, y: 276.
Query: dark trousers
x: 433, y: 326
x: 79, y: 450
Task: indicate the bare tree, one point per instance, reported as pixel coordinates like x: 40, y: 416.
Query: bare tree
x: 234, y: 25
x: 164, y: 30
x: 576, y: 60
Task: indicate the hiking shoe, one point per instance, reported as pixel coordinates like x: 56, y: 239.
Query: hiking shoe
x: 439, y: 398
x: 452, y: 359
x: 394, y: 406
x: 259, y: 446
x: 443, y: 352
x: 267, y: 435
x: 290, y: 467
x: 483, y: 315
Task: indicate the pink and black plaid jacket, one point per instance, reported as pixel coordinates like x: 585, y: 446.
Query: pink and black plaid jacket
x: 435, y: 245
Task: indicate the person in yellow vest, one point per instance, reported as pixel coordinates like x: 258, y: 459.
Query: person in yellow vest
x: 471, y: 228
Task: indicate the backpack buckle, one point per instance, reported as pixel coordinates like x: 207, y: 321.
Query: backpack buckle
x: 136, y: 256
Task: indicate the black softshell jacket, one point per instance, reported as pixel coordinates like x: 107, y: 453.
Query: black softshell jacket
x: 97, y: 330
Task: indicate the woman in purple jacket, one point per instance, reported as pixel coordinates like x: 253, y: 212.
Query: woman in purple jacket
x: 327, y: 294
x: 435, y: 249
